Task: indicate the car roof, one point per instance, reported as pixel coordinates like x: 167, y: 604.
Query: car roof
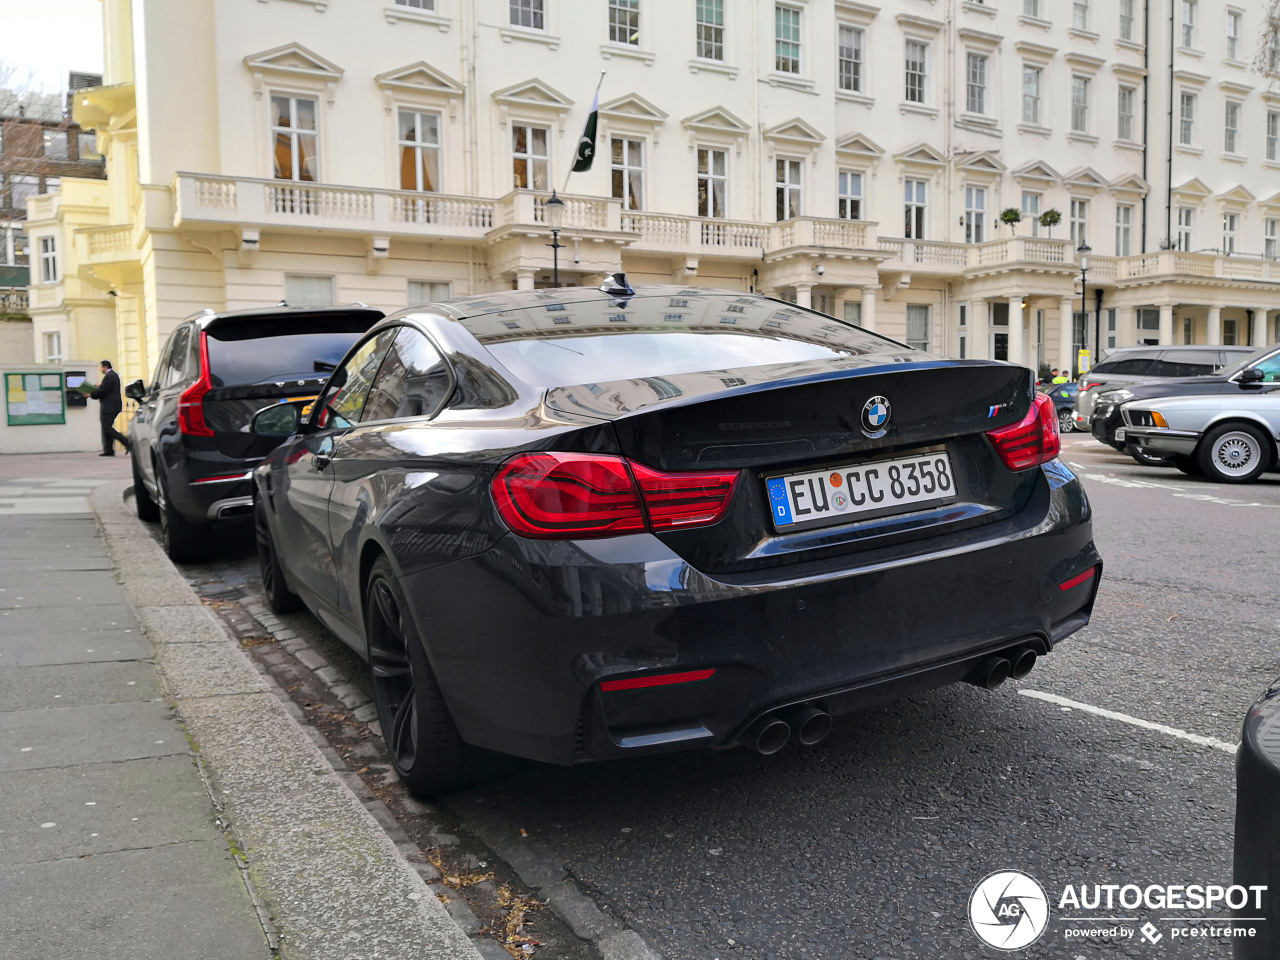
x: 207, y: 319
x: 486, y: 304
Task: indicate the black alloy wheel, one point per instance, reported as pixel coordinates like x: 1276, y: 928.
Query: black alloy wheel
x: 182, y: 540
x: 1144, y: 457
x: 277, y: 592
x: 142, y: 501
x: 420, y: 735
x: 1066, y: 423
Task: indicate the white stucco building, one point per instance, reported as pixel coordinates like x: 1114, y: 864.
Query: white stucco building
x: 849, y: 154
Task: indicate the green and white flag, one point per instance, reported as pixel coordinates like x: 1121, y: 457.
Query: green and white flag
x: 587, y: 143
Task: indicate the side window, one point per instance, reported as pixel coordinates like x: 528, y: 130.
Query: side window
x: 1135, y: 367
x: 414, y: 380
x: 175, y: 367
x: 1107, y: 367
x: 349, y: 386
x: 1271, y: 367
x: 1190, y: 363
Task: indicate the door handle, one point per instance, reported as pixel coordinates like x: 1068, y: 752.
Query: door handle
x: 320, y: 461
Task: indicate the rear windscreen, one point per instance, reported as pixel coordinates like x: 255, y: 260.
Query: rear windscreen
x: 286, y: 348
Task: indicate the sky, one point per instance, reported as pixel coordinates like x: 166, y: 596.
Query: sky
x: 47, y: 39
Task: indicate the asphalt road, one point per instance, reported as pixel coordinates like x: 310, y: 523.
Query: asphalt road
x: 870, y: 844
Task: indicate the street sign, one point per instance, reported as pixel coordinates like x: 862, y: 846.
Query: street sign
x: 1082, y: 361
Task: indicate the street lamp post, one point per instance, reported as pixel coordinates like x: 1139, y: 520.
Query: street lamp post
x: 553, y: 210
x: 1082, y: 253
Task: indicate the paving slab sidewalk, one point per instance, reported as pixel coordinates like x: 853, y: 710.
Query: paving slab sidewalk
x: 156, y: 798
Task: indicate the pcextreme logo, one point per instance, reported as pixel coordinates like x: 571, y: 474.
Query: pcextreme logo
x: 1009, y: 910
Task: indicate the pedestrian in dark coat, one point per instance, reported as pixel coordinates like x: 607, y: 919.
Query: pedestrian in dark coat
x: 107, y: 393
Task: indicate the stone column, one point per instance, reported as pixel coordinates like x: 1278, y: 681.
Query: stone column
x: 1066, y: 315
x: 1166, y: 324
x: 869, y: 308
x: 1033, y: 341
x: 979, y: 331
x: 1017, y: 313
x: 804, y: 294
x: 1261, y: 328
x: 1215, y: 326
x: 1126, y: 326
x: 524, y: 278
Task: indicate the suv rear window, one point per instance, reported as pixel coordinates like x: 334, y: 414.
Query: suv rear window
x: 264, y: 349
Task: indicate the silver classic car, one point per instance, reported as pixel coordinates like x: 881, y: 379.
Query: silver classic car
x: 1231, y: 438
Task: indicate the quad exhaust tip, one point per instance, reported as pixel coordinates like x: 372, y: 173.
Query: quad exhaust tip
x: 768, y: 735
x: 989, y: 673
x: 1022, y: 662
x: 810, y: 724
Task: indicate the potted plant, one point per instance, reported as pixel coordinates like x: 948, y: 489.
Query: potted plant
x: 1050, y: 219
x: 1011, y: 216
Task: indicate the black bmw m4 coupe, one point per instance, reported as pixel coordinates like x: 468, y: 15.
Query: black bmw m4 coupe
x: 583, y: 524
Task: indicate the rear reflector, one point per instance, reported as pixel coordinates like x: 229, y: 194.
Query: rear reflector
x: 579, y: 495
x: 1033, y: 440
x: 661, y: 680
x: 1077, y: 580
x: 225, y: 478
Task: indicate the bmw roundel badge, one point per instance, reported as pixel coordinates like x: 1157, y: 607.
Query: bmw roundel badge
x: 875, y: 417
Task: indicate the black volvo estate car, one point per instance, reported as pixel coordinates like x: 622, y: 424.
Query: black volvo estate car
x: 575, y: 525
x: 191, y: 446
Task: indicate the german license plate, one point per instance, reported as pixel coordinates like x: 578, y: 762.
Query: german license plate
x: 880, y: 487
x: 1120, y: 435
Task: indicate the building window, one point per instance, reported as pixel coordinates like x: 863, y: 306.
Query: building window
x: 1126, y: 19
x: 1124, y: 113
x: 627, y: 168
x: 786, y: 39
x: 1080, y: 14
x: 918, y: 326
x: 1230, y: 230
x: 917, y: 53
x: 916, y: 205
x: 1231, y: 126
x: 1124, y: 230
x: 1031, y: 8
x: 87, y: 145
x: 1079, y: 222
x: 1186, y: 224
x: 975, y: 91
x: 22, y: 187
x: 787, y: 188
x: 1111, y: 328
x: 1273, y: 135
x: 849, y: 193
x: 528, y: 13
x: 710, y: 33
x: 419, y: 150
x: 55, y: 144
x: 308, y: 290
x: 417, y: 4
x: 713, y: 182
x: 1233, y: 35
x: 975, y: 214
x: 624, y: 22
x: 53, y: 347
x: 1270, y: 234
x: 1031, y: 211
x: 1032, y: 77
x: 1230, y: 331
x: 850, y: 55
x: 963, y: 331
x: 429, y: 291
x: 48, y: 259
x: 1080, y: 104
x: 293, y: 128
x: 1148, y: 320
x: 1188, y: 23
x: 1186, y: 118
x: 529, y: 156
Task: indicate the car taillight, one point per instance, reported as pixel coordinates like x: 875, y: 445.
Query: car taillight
x: 1031, y: 441
x: 1089, y: 385
x: 579, y: 495
x: 191, y: 402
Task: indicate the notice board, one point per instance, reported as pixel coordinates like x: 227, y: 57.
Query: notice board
x: 34, y: 398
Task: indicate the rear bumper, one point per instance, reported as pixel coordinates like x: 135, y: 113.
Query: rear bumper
x: 521, y: 636
x: 227, y: 496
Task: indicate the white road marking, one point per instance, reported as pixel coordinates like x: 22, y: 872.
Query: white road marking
x: 1132, y: 721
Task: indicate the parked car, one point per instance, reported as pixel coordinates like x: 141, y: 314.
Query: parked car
x: 1063, y: 396
x: 1257, y: 827
x: 192, y: 451
x: 1227, y: 437
x: 577, y: 525
x: 1108, y: 427
x: 1128, y: 365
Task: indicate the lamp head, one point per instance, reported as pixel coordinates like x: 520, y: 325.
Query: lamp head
x: 554, y: 212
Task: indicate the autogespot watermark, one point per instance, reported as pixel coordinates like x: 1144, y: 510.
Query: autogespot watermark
x: 1009, y: 910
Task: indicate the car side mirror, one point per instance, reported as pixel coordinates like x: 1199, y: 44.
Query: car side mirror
x: 277, y: 421
x: 136, y: 390
x: 1252, y: 375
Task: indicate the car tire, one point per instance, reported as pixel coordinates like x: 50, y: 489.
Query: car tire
x: 274, y: 587
x: 1144, y: 458
x: 142, y: 500
x: 1234, y: 453
x: 1187, y: 465
x: 182, y: 540
x: 1066, y: 423
x: 421, y: 737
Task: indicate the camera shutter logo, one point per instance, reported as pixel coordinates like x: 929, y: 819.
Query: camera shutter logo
x: 875, y: 417
x: 1009, y: 910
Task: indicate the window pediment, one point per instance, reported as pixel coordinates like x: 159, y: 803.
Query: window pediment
x: 859, y: 147
x: 419, y: 82
x: 1037, y: 171
x: 716, y: 125
x: 532, y: 97
x: 1131, y: 184
x: 296, y: 63
x: 921, y: 155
